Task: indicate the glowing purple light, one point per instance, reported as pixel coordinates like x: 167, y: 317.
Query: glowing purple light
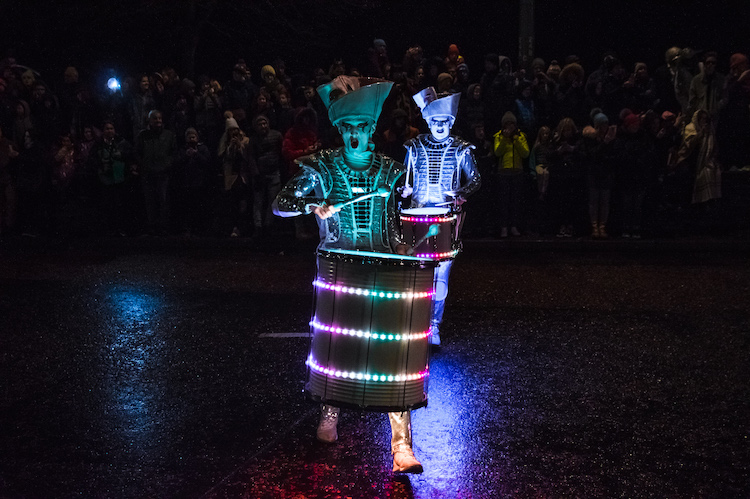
x: 372, y: 292
x: 369, y: 334
x: 383, y: 378
x: 437, y: 256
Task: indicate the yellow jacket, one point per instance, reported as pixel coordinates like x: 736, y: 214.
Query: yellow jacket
x: 511, y: 152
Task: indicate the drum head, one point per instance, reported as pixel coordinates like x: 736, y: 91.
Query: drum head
x: 430, y: 212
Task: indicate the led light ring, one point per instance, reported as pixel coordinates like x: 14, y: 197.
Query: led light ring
x: 428, y: 220
x: 386, y: 378
x: 369, y: 334
x: 438, y: 256
x: 373, y: 293
x: 370, y: 257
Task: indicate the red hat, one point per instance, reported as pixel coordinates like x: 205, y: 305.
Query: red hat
x: 631, y: 120
x: 668, y: 115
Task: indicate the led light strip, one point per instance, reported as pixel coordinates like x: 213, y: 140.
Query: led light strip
x: 365, y: 376
x: 373, y: 293
x: 437, y: 256
x: 428, y: 219
x: 368, y: 334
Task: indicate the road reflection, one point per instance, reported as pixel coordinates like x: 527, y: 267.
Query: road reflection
x: 133, y: 359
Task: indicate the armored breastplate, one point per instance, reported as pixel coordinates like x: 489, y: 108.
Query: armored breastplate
x: 435, y: 168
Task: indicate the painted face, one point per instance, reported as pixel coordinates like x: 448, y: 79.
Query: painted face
x: 440, y: 127
x: 356, y: 134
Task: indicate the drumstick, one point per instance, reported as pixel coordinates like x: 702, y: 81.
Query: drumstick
x: 434, y: 230
x: 381, y: 191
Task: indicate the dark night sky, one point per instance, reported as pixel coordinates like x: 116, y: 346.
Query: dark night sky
x: 139, y: 35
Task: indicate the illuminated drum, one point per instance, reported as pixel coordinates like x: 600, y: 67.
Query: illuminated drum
x: 370, y: 330
x: 416, y: 222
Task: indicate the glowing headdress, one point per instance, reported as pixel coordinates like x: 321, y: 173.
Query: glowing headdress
x: 352, y: 97
x: 430, y: 105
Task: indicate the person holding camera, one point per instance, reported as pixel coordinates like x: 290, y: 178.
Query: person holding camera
x: 511, y: 148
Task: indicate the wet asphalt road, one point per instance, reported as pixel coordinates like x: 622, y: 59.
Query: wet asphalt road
x: 142, y: 368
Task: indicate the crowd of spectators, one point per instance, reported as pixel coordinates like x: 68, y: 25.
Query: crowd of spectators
x: 563, y: 150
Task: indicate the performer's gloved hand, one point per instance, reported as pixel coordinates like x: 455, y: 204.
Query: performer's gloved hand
x: 406, y: 191
x: 457, y: 198
x: 325, y: 210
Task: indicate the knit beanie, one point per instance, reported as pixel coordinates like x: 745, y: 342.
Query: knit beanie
x: 231, y: 123
x: 631, y: 119
x: 444, y: 79
x: 267, y: 69
x: 600, y: 119
x: 508, y: 117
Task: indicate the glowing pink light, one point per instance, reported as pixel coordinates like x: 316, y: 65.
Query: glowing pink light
x: 437, y: 256
x: 428, y: 219
x: 369, y: 334
x: 386, y: 378
x: 372, y: 292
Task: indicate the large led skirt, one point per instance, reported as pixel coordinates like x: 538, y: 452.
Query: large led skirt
x: 370, y: 331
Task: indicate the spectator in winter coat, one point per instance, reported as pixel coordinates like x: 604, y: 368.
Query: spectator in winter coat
x: 155, y: 150
x: 511, y: 148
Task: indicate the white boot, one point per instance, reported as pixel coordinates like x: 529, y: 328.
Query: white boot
x: 435, y: 334
x: 329, y: 419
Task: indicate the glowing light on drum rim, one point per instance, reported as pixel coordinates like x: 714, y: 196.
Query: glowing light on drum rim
x: 386, y: 378
x: 437, y: 256
x: 389, y: 295
x: 369, y: 334
x: 428, y: 219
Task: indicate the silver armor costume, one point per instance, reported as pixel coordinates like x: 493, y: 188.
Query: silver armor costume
x: 354, y: 105
x: 440, y: 167
x: 365, y: 225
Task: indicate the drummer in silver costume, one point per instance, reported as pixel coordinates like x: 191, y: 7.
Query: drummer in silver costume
x: 441, y: 171
x: 335, y: 176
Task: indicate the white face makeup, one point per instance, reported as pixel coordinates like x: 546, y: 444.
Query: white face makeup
x: 356, y: 134
x: 440, y: 127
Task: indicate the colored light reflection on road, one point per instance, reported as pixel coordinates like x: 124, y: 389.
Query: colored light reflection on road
x: 133, y: 355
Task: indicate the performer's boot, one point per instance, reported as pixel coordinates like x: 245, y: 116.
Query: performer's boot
x: 329, y: 419
x: 403, y: 456
x: 442, y: 273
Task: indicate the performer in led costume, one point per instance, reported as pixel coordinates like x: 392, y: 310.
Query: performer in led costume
x: 441, y: 172
x: 333, y: 176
